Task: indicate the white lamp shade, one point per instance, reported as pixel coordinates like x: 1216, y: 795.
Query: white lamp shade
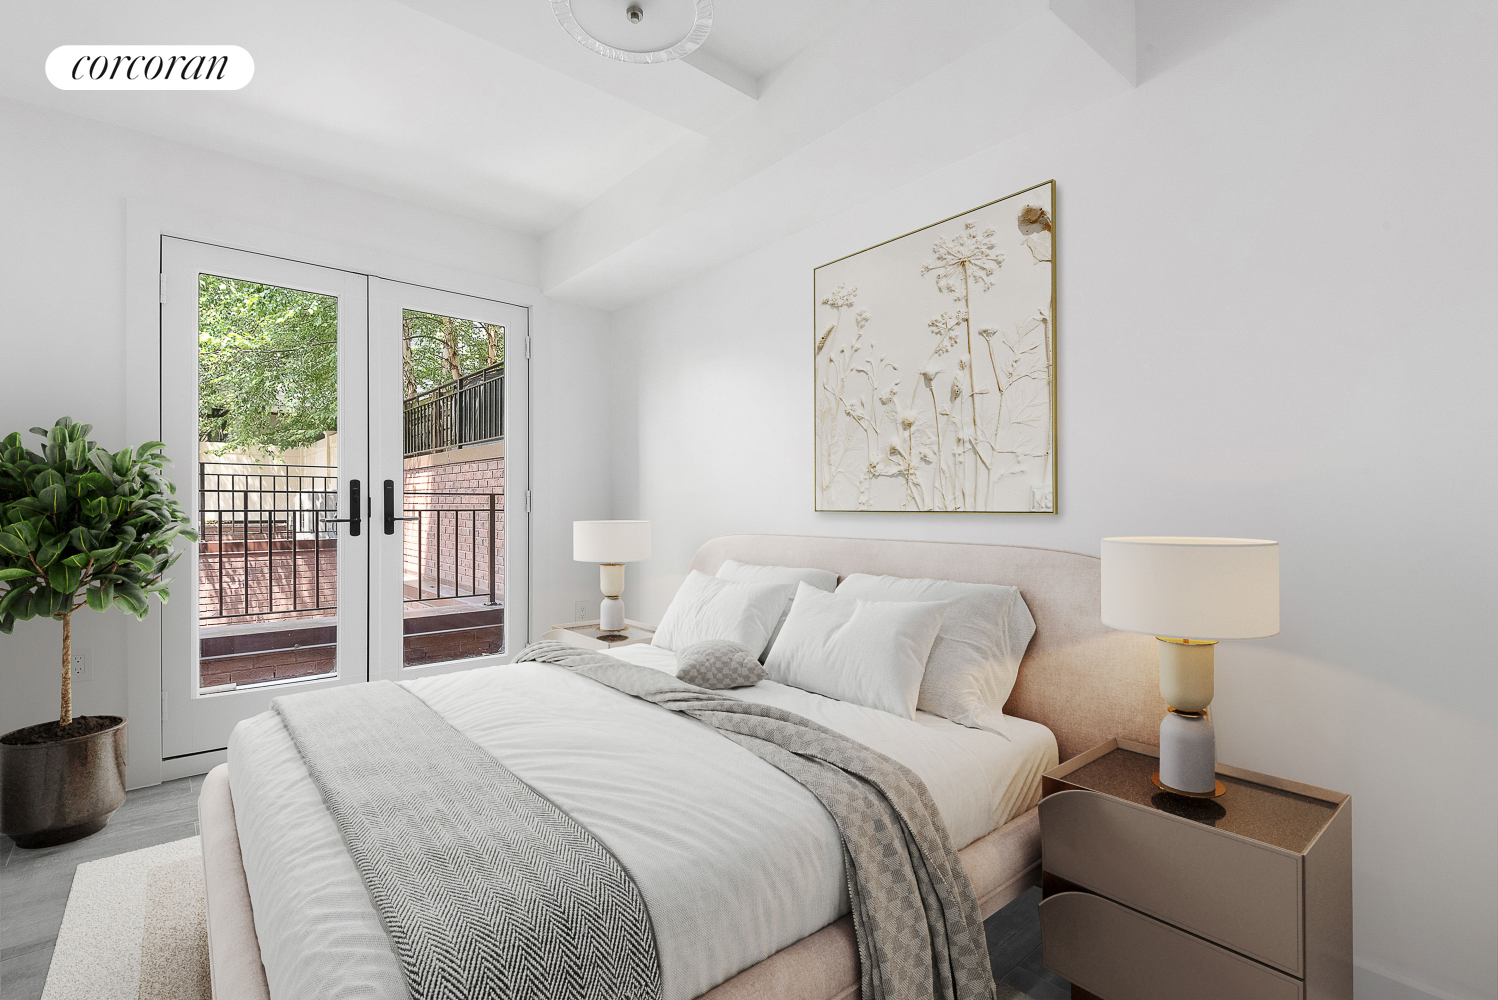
x: 1192, y: 588
x: 610, y: 541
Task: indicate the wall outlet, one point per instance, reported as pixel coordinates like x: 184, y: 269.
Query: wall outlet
x: 582, y: 612
x: 80, y: 667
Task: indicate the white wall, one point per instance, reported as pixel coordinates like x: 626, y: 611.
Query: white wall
x: 64, y: 183
x: 1277, y: 319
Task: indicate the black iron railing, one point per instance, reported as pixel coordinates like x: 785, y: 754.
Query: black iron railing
x: 469, y: 410
x: 255, y: 519
x: 440, y: 538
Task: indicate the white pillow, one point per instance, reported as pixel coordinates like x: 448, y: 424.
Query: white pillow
x: 869, y: 653
x: 708, y: 608
x: 822, y: 579
x: 975, y: 658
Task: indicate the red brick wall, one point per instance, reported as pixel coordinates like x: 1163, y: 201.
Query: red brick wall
x: 464, y: 509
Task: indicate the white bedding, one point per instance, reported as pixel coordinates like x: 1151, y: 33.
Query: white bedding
x: 734, y: 859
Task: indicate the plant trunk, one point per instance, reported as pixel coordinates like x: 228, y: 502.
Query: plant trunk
x: 451, y: 359
x: 66, y: 716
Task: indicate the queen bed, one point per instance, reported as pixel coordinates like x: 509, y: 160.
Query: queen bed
x: 739, y: 866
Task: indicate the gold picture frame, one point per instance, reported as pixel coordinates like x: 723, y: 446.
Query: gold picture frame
x: 934, y: 366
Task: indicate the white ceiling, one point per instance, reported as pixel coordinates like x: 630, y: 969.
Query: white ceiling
x: 635, y: 176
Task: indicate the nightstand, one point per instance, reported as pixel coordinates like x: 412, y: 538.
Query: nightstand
x: 1149, y: 895
x: 587, y: 636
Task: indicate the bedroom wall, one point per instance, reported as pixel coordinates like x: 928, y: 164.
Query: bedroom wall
x: 64, y: 182
x: 1276, y: 320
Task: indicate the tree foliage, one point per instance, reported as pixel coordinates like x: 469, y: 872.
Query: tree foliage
x: 268, y: 362
x: 439, y: 349
x: 79, y: 526
x: 267, y: 365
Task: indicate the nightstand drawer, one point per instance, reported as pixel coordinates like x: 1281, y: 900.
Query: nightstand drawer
x: 1237, y: 892
x: 1110, y: 950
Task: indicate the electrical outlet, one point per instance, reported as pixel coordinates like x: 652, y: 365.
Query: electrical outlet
x: 580, y: 612
x: 80, y: 667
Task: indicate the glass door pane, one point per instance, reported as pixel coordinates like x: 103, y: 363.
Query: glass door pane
x: 443, y: 394
x: 264, y: 374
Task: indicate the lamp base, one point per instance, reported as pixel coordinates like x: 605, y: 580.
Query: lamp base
x: 1188, y: 752
x: 611, y: 615
x: 1219, y: 788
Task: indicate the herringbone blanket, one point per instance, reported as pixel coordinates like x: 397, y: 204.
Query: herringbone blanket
x: 915, y: 913
x: 486, y: 889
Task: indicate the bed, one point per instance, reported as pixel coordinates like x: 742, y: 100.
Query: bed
x: 1078, y: 685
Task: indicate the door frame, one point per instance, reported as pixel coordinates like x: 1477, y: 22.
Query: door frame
x: 146, y: 222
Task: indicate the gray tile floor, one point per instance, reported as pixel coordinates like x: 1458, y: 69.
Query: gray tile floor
x: 34, y: 891
x: 34, y: 884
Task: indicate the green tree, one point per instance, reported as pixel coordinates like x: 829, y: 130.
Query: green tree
x: 267, y: 365
x: 81, y: 527
x: 439, y: 349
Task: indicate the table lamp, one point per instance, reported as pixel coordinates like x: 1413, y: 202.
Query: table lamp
x: 611, y: 544
x: 1189, y: 593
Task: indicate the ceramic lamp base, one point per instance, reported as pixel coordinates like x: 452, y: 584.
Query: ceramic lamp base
x: 611, y: 615
x: 1188, y: 753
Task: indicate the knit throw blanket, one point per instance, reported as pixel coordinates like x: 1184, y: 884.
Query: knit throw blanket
x: 915, y: 913
x: 486, y: 889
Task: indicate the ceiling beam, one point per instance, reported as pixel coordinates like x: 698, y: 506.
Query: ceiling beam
x: 846, y: 121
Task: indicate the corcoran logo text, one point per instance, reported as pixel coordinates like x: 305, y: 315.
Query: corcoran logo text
x: 149, y: 67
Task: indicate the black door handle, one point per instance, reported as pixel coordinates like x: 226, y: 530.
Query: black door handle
x: 356, y: 522
x: 390, y: 517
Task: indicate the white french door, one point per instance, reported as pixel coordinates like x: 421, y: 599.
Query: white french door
x: 343, y: 445
x: 448, y: 550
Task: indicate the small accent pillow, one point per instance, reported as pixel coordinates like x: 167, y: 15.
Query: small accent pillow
x: 975, y: 658
x: 822, y: 579
x: 708, y: 608
x: 869, y: 653
x: 718, y: 663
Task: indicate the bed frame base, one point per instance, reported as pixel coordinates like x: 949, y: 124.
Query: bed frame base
x: 821, y: 966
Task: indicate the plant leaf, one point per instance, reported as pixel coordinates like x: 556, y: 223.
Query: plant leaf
x: 54, y: 498
x: 12, y: 545
x: 17, y: 573
x: 64, y: 578
x: 96, y: 599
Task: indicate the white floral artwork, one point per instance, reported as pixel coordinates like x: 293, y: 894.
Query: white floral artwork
x: 935, y: 366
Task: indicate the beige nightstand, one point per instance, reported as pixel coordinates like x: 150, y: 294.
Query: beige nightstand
x: 587, y: 636
x: 1149, y: 895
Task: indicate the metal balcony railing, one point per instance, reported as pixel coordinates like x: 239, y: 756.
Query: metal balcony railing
x: 466, y: 411
x: 261, y: 521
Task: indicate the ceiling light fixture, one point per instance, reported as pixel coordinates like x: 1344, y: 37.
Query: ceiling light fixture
x: 623, y: 32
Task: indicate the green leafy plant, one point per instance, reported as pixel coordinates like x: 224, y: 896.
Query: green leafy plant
x: 79, y: 526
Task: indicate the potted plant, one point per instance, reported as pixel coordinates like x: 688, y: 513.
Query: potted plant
x: 78, y: 527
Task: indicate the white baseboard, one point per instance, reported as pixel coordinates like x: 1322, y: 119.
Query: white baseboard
x: 198, y: 763
x: 1381, y: 984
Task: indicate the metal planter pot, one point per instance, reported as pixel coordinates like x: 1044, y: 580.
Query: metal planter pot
x: 52, y: 793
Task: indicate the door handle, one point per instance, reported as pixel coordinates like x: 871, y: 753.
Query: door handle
x: 356, y: 522
x: 390, y: 517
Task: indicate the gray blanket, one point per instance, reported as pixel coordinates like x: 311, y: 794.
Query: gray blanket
x: 486, y: 889
x: 914, y: 910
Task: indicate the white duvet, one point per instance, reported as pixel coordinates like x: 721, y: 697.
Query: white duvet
x: 735, y: 860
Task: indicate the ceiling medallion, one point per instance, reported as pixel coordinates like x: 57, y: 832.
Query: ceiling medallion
x: 642, y: 31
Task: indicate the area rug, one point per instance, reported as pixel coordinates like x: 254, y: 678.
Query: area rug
x: 134, y: 929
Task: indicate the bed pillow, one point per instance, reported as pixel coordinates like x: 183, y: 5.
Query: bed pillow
x: 822, y: 579
x: 869, y: 653
x: 976, y: 656
x: 719, y: 663
x: 708, y: 608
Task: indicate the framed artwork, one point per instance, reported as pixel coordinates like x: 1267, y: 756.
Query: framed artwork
x: 935, y: 358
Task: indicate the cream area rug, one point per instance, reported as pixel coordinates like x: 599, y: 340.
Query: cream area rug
x: 135, y: 929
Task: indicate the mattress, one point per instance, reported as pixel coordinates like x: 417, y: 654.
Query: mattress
x: 734, y: 859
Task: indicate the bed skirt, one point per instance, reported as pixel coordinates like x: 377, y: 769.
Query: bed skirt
x: 821, y: 966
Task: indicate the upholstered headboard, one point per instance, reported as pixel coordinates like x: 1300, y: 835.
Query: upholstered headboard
x: 1083, y: 680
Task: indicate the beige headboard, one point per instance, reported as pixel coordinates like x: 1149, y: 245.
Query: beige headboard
x: 1083, y: 680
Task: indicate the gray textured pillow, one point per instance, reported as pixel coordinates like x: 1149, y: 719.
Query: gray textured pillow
x: 719, y: 663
